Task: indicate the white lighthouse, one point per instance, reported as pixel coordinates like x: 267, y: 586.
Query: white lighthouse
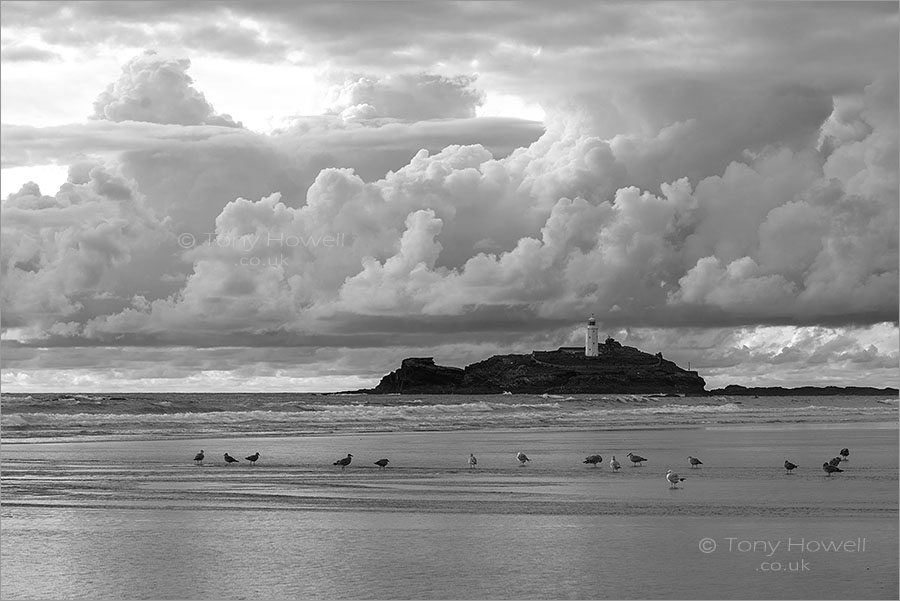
x: 591, y: 339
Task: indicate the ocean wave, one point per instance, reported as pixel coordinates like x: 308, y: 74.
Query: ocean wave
x: 191, y: 415
x: 13, y: 421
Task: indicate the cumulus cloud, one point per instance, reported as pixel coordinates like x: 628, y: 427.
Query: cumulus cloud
x: 89, y: 248
x: 157, y: 89
x: 770, y: 240
x: 413, y: 97
x: 189, y: 173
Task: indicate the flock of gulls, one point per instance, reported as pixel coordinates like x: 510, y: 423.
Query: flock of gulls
x: 829, y: 467
x: 199, y: 457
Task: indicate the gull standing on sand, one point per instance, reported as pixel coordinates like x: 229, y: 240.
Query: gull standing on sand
x: 614, y: 464
x: 789, y: 466
x: 198, y: 458
x: 635, y: 459
x: 344, y: 462
x: 595, y: 459
x: 835, y: 461
x: 673, y: 479
x: 472, y: 461
x: 845, y: 454
x: 694, y: 461
x: 253, y: 458
x: 522, y: 457
x: 229, y: 459
x: 382, y: 463
x: 830, y: 469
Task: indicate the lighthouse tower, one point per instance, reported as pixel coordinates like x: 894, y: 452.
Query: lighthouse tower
x: 591, y: 338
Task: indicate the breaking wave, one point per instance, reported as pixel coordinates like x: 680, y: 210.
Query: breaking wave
x: 183, y: 415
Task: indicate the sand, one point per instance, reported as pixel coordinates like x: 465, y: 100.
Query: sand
x: 138, y: 519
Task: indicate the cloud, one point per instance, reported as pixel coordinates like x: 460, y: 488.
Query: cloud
x: 88, y: 249
x: 14, y: 53
x: 779, y: 355
x: 158, y: 90
x: 413, y: 97
x: 772, y: 239
x: 189, y: 173
x: 237, y: 40
x: 721, y: 126
x: 386, y: 286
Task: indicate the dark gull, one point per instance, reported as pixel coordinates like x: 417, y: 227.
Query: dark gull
x: 382, y: 463
x: 594, y: 459
x: 344, y: 462
x: 845, y: 454
x: 472, y: 461
x: 694, y: 461
x: 198, y: 458
x: 789, y: 466
x: 835, y: 461
x: 229, y: 459
x: 830, y: 469
x: 253, y: 458
x: 522, y: 457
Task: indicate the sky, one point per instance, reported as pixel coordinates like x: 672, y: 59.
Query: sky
x: 280, y: 196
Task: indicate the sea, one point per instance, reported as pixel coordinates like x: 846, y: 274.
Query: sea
x: 100, y: 497
x: 48, y: 417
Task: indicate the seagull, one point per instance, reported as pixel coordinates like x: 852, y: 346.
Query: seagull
x: 830, y: 469
x: 522, y: 457
x: 636, y: 459
x: 198, y: 458
x: 382, y: 463
x: 845, y: 454
x: 229, y: 459
x: 253, y: 458
x: 694, y: 462
x: 673, y: 479
x: 614, y: 464
x: 595, y: 459
x: 472, y: 461
x: 835, y: 461
x: 344, y: 462
x: 789, y: 466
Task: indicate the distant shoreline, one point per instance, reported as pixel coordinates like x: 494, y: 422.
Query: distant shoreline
x: 738, y: 390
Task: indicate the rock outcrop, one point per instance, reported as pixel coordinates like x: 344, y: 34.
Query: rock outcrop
x: 418, y: 374
x: 617, y: 369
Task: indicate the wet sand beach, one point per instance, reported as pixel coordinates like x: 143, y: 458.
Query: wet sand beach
x: 84, y: 519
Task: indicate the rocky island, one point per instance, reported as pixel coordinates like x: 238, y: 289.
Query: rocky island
x: 613, y: 369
